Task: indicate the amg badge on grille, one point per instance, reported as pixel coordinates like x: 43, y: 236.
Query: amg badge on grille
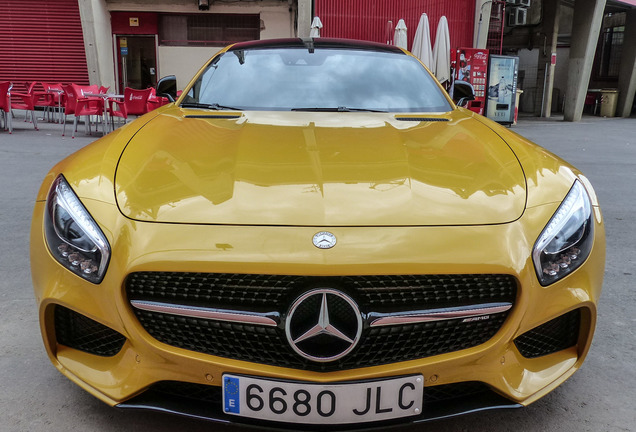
x: 323, y: 325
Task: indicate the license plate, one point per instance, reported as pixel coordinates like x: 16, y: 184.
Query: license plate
x: 311, y: 403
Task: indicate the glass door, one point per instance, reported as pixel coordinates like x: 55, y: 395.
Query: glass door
x: 136, y: 61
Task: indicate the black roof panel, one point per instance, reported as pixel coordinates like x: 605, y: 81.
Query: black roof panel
x: 316, y: 43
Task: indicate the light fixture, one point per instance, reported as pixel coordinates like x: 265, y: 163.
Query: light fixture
x: 204, y: 5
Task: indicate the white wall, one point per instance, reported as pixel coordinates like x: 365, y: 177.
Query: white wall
x: 528, y: 62
x: 561, y: 75
x: 183, y: 62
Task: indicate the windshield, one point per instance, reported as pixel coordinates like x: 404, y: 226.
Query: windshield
x: 323, y: 79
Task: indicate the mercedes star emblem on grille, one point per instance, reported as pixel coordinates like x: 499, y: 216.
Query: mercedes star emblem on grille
x: 323, y: 325
x: 324, y: 240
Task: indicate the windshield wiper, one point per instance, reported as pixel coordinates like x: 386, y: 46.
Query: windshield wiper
x: 213, y: 106
x: 337, y: 109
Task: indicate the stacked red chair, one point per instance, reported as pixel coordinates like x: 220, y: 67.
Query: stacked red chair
x: 135, y: 103
x: 155, y: 101
x: 78, y: 105
x: 5, y: 105
x: 26, y: 101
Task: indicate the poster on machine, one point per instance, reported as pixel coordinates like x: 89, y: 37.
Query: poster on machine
x: 471, y: 65
x: 502, y: 88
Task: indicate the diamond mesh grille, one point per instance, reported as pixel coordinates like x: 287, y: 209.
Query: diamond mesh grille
x: 268, y: 345
x: 556, y: 335
x: 81, y: 333
x: 275, y: 292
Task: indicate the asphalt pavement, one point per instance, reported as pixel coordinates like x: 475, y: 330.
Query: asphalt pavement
x: 34, y: 396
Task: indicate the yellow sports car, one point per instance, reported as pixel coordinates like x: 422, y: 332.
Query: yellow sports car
x: 313, y: 233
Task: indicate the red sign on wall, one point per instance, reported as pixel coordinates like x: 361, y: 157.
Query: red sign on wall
x: 133, y: 23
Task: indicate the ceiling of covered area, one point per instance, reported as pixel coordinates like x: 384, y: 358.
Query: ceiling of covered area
x: 612, y: 6
x: 620, y: 5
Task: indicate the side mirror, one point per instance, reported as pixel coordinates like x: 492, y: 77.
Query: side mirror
x: 167, y: 87
x: 463, y: 92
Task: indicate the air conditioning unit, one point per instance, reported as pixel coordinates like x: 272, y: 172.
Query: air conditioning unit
x: 517, y: 17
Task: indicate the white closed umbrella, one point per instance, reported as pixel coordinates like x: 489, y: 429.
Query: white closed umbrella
x: 441, y: 52
x: 316, y: 25
x: 399, y: 37
x: 422, y: 42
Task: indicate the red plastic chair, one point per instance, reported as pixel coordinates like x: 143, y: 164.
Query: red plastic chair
x: 45, y: 98
x: 81, y: 106
x: 25, y: 101
x: 55, y: 94
x: 5, y: 105
x: 155, y: 102
x: 592, y: 100
x: 135, y: 103
x: 94, y: 89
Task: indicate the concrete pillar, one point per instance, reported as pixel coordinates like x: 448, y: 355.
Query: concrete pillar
x: 98, y: 42
x: 482, y: 23
x: 627, y: 72
x: 304, y: 17
x: 545, y: 71
x: 586, y: 26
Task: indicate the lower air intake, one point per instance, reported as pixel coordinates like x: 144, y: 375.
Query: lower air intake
x: 556, y: 335
x: 81, y: 333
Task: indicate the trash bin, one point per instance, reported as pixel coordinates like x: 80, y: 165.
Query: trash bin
x: 609, y: 99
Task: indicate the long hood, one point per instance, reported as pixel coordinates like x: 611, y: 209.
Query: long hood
x: 318, y: 169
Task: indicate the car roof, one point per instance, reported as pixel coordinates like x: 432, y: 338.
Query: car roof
x: 312, y: 43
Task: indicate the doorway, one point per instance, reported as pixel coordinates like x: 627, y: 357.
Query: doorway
x: 136, y: 61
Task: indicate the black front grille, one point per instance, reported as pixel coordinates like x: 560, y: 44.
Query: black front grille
x: 555, y: 335
x: 82, y: 333
x: 213, y: 394
x: 220, y: 290
x: 186, y: 390
x: 205, y: 402
x: 276, y: 292
x: 268, y: 345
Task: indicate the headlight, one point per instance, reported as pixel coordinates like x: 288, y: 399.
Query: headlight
x: 566, y: 241
x: 72, y: 235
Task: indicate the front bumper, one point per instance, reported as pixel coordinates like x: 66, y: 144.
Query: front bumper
x: 129, y: 378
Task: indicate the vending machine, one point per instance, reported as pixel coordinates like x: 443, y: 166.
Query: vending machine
x: 502, y: 88
x: 471, y: 65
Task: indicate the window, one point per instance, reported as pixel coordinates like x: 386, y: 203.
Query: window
x: 607, y: 60
x: 611, y: 48
x: 208, y: 29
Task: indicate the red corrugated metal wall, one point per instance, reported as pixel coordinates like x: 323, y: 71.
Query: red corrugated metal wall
x: 42, y: 41
x: 367, y: 19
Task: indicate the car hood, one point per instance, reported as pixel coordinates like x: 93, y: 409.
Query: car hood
x: 318, y: 169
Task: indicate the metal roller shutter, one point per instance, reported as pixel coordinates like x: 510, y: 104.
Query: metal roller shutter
x: 42, y: 41
x: 367, y: 19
